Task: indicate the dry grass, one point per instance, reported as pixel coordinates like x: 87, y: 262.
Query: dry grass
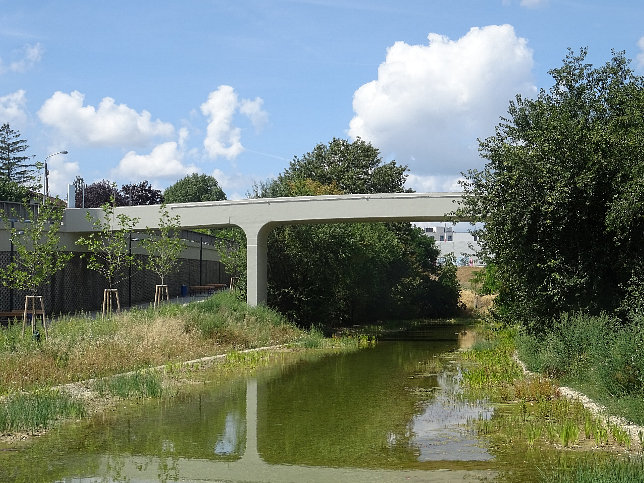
x: 476, y: 304
x: 80, y: 348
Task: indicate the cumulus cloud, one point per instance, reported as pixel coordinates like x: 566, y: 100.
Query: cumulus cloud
x: 12, y: 107
x: 61, y: 171
x: 223, y: 139
x: 165, y: 161
x: 109, y: 124
x: 430, y: 102
x: 640, y: 56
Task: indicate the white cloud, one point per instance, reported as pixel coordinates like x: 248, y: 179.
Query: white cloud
x: 533, y: 3
x: 110, y: 124
x: 30, y: 55
x: 433, y: 184
x: 12, y: 107
x: 253, y: 109
x: 223, y: 139
x: 61, y: 173
x: 164, y: 161
x: 430, y: 102
x: 640, y: 56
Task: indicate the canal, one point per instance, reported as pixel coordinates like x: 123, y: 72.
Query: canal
x: 392, y: 412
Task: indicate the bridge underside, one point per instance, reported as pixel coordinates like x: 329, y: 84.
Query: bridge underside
x: 258, y: 216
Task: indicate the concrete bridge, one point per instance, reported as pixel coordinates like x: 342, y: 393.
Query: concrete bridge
x: 258, y: 216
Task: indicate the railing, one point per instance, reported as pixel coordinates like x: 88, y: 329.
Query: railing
x: 11, y: 210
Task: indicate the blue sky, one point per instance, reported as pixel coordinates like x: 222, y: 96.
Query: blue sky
x: 142, y: 90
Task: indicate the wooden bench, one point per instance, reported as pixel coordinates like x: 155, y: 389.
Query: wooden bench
x: 5, y: 317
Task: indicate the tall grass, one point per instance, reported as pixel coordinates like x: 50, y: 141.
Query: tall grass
x: 595, y: 354
x: 81, y: 347
x: 137, y: 384
x: 37, y: 410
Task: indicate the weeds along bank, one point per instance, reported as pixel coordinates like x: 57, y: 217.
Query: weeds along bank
x: 87, y: 364
x: 559, y: 436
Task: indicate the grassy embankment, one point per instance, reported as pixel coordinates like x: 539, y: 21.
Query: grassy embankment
x: 116, y: 353
x: 531, y: 412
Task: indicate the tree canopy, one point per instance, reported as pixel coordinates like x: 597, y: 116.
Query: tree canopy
x: 104, y: 191
x: 562, y: 194
x: 194, y: 187
x: 351, y: 272
x: 18, y: 174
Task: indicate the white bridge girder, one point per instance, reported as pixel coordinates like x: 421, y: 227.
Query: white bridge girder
x: 258, y: 216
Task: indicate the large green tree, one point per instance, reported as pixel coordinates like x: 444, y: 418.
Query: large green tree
x: 351, y: 272
x: 16, y: 168
x: 562, y: 193
x: 194, y: 187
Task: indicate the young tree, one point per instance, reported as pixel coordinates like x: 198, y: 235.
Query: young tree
x: 15, y: 166
x: 561, y: 194
x: 37, y: 253
x: 194, y: 187
x: 108, y: 250
x: 164, y: 245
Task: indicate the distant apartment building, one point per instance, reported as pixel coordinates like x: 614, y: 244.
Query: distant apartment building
x: 463, y: 245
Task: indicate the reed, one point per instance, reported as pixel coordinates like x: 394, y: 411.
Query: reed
x: 38, y: 410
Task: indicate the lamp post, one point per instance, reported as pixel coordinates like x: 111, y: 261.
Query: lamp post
x: 45, y: 190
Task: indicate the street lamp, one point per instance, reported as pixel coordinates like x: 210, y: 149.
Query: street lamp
x: 45, y: 192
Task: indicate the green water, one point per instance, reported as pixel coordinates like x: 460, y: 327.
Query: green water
x: 373, y: 415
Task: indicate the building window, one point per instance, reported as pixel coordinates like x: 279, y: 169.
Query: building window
x: 449, y: 237
x: 442, y: 238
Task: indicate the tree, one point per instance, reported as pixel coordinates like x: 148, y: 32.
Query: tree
x: 562, y: 195
x: 351, y: 167
x: 194, y: 187
x: 12, y: 191
x: 108, y: 250
x: 362, y: 271
x: 99, y: 193
x: 37, y: 253
x: 15, y: 166
x: 163, y: 245
x: 142, y: 193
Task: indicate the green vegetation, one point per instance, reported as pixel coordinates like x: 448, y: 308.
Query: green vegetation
x: 81, y: 347
x: 18, y: 175
x: 531, y: 413
x: 562, y: 196
x: 136, y: 384
x: 194, y: 187
x: 363, y: 271
x: 108, y: 249
x: 37, y: 410
x: 37, y: 253
x: 597, y: 355
x: 164, y: 246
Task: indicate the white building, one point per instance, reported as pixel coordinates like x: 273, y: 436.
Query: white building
x: 463, y: 245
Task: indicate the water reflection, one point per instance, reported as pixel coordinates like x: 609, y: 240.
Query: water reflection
x: 441, y: 431
x: 316, y: 419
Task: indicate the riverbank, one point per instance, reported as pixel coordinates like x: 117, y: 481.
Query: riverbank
x: 87, y: 365
x: 566, y: 435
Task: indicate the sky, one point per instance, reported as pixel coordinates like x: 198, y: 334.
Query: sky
x: 142, y: 90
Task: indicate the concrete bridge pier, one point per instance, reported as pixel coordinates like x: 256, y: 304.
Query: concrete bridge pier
x: 256, y: 262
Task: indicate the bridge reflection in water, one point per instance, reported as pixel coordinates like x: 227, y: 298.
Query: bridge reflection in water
x: 251, y: 467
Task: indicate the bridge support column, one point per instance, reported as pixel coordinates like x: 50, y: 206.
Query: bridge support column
x: 256, y: 264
